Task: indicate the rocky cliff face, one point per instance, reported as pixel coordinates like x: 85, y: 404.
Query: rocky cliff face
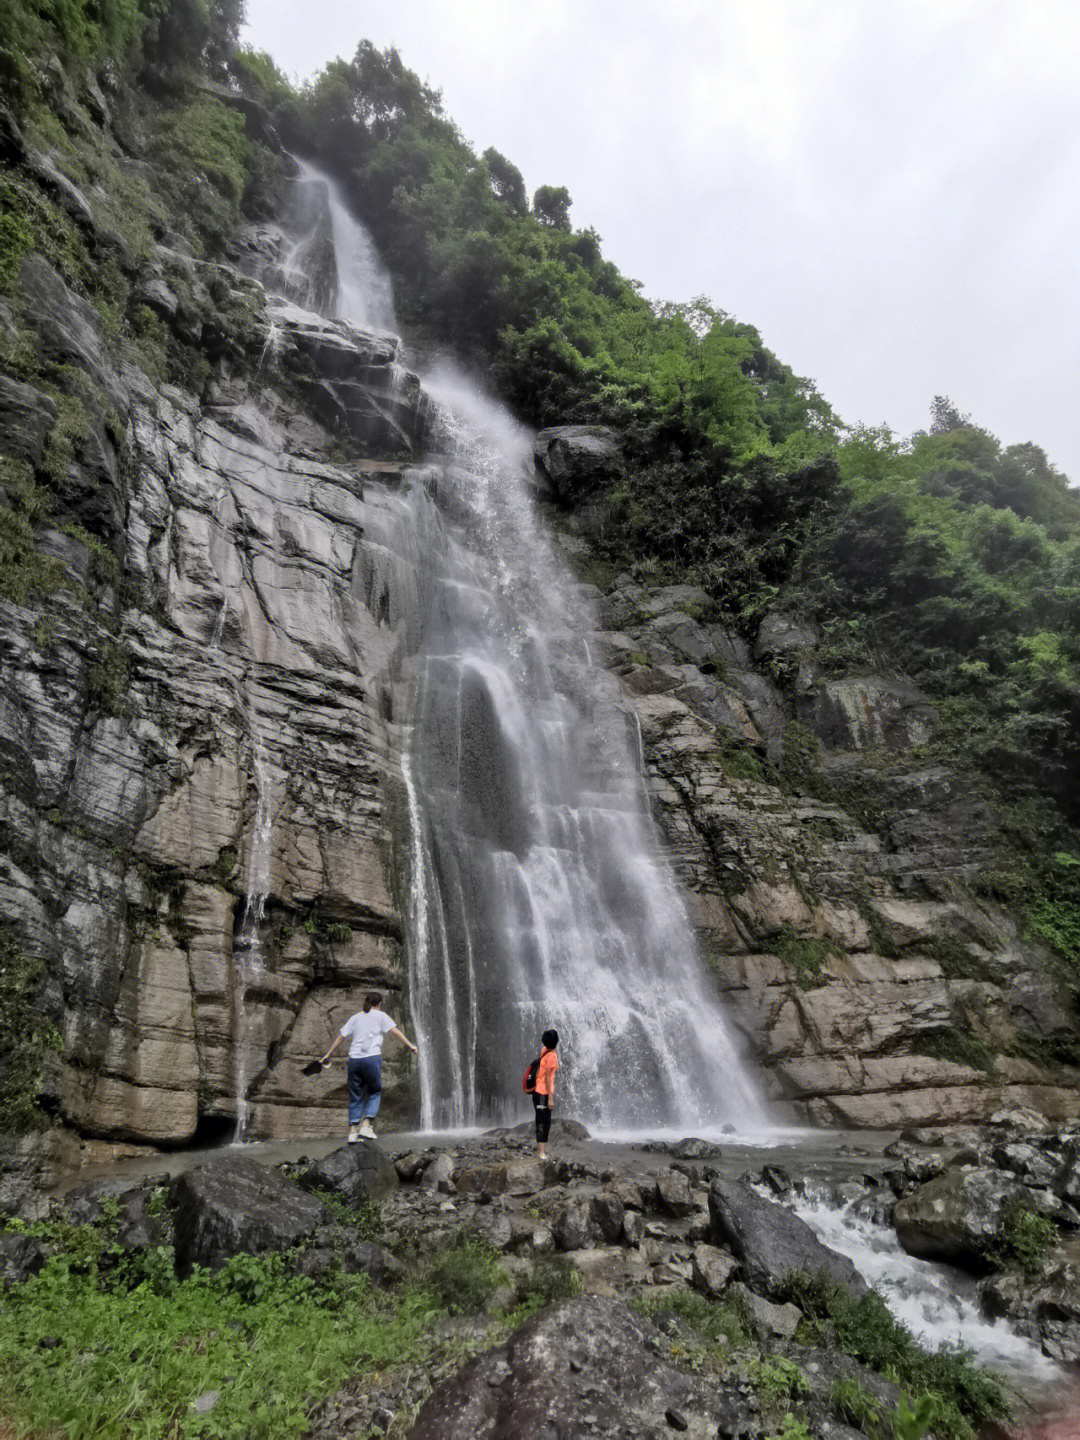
x: 830, y: 864
x: 197, y: 725
x: 202, y: 675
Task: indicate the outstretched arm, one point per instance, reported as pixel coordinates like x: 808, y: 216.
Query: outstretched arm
x: 404, y: 1039
x: 333, y: 1047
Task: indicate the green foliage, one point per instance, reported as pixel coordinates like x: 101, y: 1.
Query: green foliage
x: 25, y: 1036
x: 1025, y: 1239
x: 203, y: 154
x: 24, y: 570
x: 721, y: 1324
x: 30, y: 222
x: 108, y: 676
x: 962, y: 1047
x: 365, y: 1218
x: 911, y: 1422
x: 866, y: 1330
x: 804, y: 954
x: 956, y: 959
x: 793, y: 1429
x: 135, y: 1350
x: 549, y: 1278
x: 79, y: 30
x: 465, y: 1274
x: 339, y: 931
x: 778, y: 1379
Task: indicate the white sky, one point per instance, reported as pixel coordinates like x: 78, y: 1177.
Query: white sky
x: 888, y: 189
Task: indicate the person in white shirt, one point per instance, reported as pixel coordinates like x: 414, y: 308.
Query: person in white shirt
x: 365, y: 1032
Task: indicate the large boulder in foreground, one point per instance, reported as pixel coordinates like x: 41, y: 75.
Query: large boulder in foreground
x: 771, y: 1243
x: 584, y: 1358
x: 354, y: 1173
x: 235, y: 1205
x: 576, y: 458
x: 958, y: 1216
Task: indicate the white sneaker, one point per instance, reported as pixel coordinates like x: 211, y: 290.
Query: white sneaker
x: 354, y: 1134
x: 366, y: 1132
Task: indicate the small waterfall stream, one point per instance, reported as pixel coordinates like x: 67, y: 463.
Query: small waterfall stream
x: 248, y: 958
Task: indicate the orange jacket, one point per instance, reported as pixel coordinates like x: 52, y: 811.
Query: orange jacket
x: 545, y: 1076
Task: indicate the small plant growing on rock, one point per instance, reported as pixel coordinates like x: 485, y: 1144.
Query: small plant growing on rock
x: 1026, y: 1239
x: 805, y: 955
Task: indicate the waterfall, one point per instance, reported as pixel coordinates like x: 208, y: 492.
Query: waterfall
x: 248, y: 959
x: 540, y: 895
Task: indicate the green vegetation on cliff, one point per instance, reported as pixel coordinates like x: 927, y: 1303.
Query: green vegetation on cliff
x: 947, y: 554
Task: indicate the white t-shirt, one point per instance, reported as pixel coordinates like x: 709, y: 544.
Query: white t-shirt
x: 366, y: 1031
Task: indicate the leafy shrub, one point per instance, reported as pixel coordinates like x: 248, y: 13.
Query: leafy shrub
x: 550, y: 1278
x: 1025, y: 1238
x: 866, y: 1330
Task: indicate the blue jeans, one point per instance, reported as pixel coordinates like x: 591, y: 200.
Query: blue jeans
x: 365, y: 1088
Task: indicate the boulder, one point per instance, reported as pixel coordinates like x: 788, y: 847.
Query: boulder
x: 235, y: 1205
x: 354, y: 1173
x: 26, y: 417
x: 336, y: 1248
x: 712, y: 1270
x: 771, y: 1243
x: 588, y: 1357
x: 21, y: 1256
x: 864, y: 712
x: 771, y: 1322
x: 673, y: 1193
x: 576, y: 459
x: 1044, y: 1307
x: 957, y: 1217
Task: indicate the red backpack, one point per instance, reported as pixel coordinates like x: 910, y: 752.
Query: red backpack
x: 528, y: 1080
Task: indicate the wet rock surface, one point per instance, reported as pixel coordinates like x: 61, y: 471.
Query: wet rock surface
x: 585, y: 1367
x: 233, y: 1206
x: 354, y: 1173
x: 771, y: 1243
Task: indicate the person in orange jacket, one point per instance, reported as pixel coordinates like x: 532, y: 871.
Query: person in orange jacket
x: 544, y: 1093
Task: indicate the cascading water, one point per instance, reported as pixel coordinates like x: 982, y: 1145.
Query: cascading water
x: 938, y: 1305
x: 248, y: 959
x: 539, y: 894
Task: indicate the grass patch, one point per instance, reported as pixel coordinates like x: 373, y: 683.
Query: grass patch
x: 961, y: 1047
x: 132, y: 1358
x: 867, y: 1331
x: 852, y: 1404
x: 466, y: 1274
x: 721, y: 1324
x: 806, y: 956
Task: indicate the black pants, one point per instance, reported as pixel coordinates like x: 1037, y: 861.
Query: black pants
x: 543, y: 1118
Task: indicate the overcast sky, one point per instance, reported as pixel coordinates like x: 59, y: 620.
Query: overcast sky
x: 888, y: 189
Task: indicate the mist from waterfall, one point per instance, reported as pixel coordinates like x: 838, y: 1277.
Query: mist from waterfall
x: 540, y: 895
